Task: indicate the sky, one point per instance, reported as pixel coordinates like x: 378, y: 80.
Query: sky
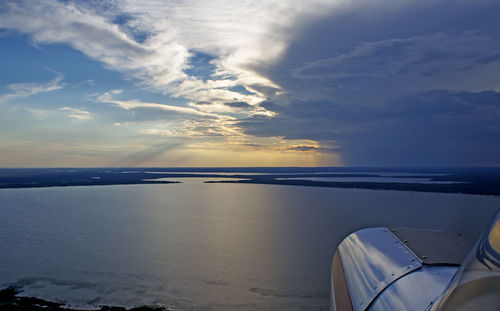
x: 249, y: 83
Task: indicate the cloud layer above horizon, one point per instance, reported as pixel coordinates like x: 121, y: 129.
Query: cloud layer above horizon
x: 249, y: 83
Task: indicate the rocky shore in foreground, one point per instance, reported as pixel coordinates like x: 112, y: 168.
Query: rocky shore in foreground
x: 10, y: 301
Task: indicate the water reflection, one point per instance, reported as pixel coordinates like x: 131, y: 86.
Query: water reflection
x: 203, y: 246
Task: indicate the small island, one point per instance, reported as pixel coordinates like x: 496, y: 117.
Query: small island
x: 481, y: 181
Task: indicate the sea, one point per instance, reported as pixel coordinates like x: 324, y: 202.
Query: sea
x: 203, y: 246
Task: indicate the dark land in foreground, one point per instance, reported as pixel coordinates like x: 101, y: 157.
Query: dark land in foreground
x: 485, y: 181
x: 9, y: 301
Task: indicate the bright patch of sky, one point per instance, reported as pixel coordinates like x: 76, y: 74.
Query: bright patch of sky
x: 249, y: 83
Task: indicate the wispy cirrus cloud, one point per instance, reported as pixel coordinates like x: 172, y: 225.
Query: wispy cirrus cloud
x: 22, y: 90
x: 155, y: 110
x: 76, y: 113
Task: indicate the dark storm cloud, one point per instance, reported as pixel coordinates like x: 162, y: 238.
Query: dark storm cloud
x: 415, y: 84
x: 390, y: 57
x: 428, y: 128
x: 493, y: 58
x: 440, y: 60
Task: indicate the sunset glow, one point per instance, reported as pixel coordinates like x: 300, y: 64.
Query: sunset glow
x: 252, y: 83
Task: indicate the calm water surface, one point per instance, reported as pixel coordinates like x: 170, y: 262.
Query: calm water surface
x: 196, y: 246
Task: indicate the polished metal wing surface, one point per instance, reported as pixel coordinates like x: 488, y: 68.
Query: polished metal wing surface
x: 372, y: 259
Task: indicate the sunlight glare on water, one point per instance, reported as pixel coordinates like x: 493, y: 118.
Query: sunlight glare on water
x: 196, y: 246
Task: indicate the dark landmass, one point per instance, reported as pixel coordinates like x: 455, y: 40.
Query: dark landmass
x: 9, y: 301
x: 484, y: 189
x: 485, y: 181
x: 36, y: 178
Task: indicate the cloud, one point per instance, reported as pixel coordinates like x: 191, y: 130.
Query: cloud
x: 382, y: 88
x: 309, y: 148
x: 380, y: 82
x: 155, y: 110
x: 175, y: 121
x: 211, y: 128
x: 420, y: 62
x: 157, y: 132
x: 237, y: 105
x: 154, y: 42
x: 425, y: 128
x: 22, y: 90
x: 76, y: 113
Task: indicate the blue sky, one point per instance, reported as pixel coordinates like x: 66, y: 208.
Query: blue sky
x: 249, y: 83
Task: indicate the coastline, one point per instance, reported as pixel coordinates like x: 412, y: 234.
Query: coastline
x: 466, y: 181
x: 469, y: 188
x: 10, y: 301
